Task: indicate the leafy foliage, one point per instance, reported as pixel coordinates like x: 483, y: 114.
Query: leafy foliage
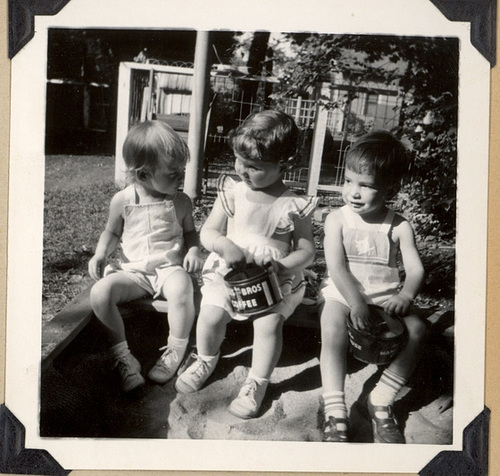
x: 426, y: 71
x: 429, y: 198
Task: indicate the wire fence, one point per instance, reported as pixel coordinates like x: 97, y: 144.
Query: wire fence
x: 352, y: 111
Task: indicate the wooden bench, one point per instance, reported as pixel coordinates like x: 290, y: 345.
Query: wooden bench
x: 62, y: 329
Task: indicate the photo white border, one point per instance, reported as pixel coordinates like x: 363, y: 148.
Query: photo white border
x: 26, y: 185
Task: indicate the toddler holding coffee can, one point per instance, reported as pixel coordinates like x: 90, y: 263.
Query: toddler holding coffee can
x: 254, y: 221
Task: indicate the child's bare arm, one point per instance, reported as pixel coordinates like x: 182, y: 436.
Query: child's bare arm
x: 304, y: 249
x: 109, y: 239
x: 213, y: 238
x: 414, y: 270
x: 193, y: 261
x: 341, y: 276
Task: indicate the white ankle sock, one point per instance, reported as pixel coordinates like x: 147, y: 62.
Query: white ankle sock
x: 120, y: 349
x: 209, y: 359
x: 179, y: 345
x: 334, y: 404
x: 387, y: 388
x: 259, y: 380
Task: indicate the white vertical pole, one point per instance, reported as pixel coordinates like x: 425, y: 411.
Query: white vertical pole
x: 298, y: 109
x: 198, y: 115
x: 122, y: 121
x: 317, y: 149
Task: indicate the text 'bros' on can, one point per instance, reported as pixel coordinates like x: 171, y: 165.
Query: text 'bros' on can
x: 253, y: 290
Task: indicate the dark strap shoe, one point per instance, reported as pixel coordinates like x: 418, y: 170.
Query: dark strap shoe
x: 386, y: 428
x: 335, y: 430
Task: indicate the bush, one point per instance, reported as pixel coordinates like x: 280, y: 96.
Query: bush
x: 429, y: 197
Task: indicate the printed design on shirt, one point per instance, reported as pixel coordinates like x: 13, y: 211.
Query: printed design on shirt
x: 363, y: 246
x: 369, y: 249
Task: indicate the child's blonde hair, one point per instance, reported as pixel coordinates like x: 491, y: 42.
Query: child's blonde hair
x: 270, y: 136
x: 147, y: 144
x: 381, y: 154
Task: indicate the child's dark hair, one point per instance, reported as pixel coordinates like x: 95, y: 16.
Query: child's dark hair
x: 270, y: 136
x: 149, y: 142
x: 381, y: 154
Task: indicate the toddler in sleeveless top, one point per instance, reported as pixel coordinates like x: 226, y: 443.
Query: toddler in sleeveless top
x: 152, y: 223
x: 362, y: 242
x: 255, y: 220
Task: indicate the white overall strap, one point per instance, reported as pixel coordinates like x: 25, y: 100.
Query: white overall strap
x: 349, y: 216
x: 130, y: 195
x: 387, y: 223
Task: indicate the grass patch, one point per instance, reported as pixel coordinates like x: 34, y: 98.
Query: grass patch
x: 77, y: 195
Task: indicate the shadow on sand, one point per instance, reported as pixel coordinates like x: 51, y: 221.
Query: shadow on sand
x: 80, y: 396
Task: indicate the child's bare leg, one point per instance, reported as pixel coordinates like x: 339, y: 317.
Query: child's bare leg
x: 396, y: 374
x: 407, y: 359
x: 178, y: 291
x: 106, y: 295
x: 392, y: 380
x: 211, y: 329
x: 334, y: 346
x: 210, y: 332
x: 333, y: 365
x: 267, y: 346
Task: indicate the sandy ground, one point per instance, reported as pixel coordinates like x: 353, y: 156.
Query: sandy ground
x: 80, y: 384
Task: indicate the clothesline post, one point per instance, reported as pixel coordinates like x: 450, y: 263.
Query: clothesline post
x: 198, y: 115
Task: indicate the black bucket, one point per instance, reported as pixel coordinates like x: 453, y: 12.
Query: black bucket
x: 253, y: 290
x: 382, y: 342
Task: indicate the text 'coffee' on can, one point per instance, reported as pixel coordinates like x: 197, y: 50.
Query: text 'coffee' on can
x: 253, y: 290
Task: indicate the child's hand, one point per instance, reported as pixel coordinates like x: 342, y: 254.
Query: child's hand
x: 360, y: 316
x: 397, y: 305
x: 265, y: 261
x: 96, y: 267
x: 233, y: 255
x: 193, y: 261
x: 285, y: 277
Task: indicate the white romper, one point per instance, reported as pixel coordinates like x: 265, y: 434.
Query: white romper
x: 371, y: 258
x: 152, y: 242
x: 252, y: 226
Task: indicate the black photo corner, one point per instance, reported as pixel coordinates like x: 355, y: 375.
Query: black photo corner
x: 15, y: 458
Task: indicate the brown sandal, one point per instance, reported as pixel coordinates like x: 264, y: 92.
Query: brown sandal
x: 385, y: 430
x: 335, y: 430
